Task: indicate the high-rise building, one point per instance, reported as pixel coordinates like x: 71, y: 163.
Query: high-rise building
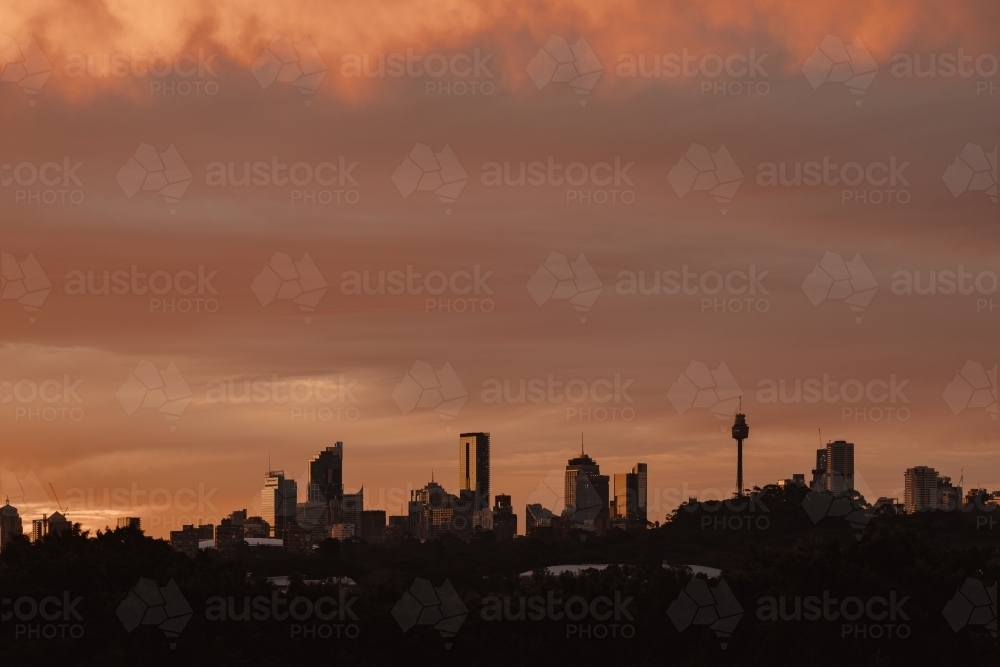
x: 373, y: 526
x: 48, y: 525
x: 434, y: 512
x: 278, y: 502
x: 642, y: 506
x: 626, y: 503
x: 326, y: 475
x: 10, y: 524
x: 819, y: 472
x: 352, y: 507
x: 586, y: 494
x: 839, y: 476
x: 229, y: 535
x: 920, y: 489
x: 130, y: 522
x: 949, y: 496
x: 504, y: 519
x: 187, y: 540
x: 474, y: 467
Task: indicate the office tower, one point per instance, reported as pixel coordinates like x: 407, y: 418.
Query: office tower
x: 839, y: 466
x: 434, y: 512
x: 326, y: 475
x: 504, y: 519
x: 39, y: 529
x: 642, y: 507
x: 187, y: 540
x: 797, y: 479
x: 474, y: 467
x: 626, y: 495
x: 819, y: 472
x: 373, y: 526
x: 279, y: 501
x: 352, y: 507
x: 130, y: 522
x: 229, y: 535
x: 586, y: 492
x: 538, y: 521
x: 10, y: 524
x: 920, y: 489
x: 238, y: 517
x: 398, y: 527
x: 255, y: 527
x: 740, y: 433
x: 949, y: 496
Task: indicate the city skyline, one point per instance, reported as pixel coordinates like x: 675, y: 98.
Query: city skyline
x: 836, y: 478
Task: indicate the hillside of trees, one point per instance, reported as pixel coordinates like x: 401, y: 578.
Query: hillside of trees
x: 918, y: 562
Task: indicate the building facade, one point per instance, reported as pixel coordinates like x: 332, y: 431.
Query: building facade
x: 474, y: 467
x: 279, y: 502
x: 586, y: 495
x: 326, y: 475
x: 10, y: 525
x: 504, y: 519
x: 920, y: 489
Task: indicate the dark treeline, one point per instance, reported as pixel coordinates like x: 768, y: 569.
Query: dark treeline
x: 925, y: 558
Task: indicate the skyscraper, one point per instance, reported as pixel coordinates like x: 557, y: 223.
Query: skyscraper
x: 586, y: 494
x: 819, y: 472
x: 279, y: 502
x: 474, y: 467
x: 920, y: 489
x: 642, y: 506
x: 326, y: 475
x: 839, y: 466
x: 10, y: 524
x: 504, y: 519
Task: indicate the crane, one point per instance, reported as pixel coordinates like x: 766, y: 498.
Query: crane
x: 58, y: 505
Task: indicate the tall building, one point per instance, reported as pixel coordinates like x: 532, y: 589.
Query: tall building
x: 920, y: 489
x: 230, y: 535
x: 819, y: 472
x: 10, y: 524
x: 839, y: 476
x: 642, y: 506
x: 326, y: 475
x: 586, y: 494
x: 504, y: 519
x: 474, y: 467
x: 949, y: 496
x: 278, y: 502
x: 434, y: 512
x: 626, y: 503
x: 48, y: 525
x: 740, y: 433
x: 373, y: 525
x: 352, y: 508
x: 130, y: 522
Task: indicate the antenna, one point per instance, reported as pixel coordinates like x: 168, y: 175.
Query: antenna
x: 820, y: 431
x: 741, y: 402
x: 581, y: 443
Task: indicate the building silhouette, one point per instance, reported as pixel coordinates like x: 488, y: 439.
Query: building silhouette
x: 10, y: 524
x: 924, y: 489
x: 48, y: 525
x: 835, y: 467
x: 279, y: 500
x: 504, y: 519
x: 586, y: 494
x: 373, y: 526
x: 326, y: 475
x: 474, y: 467
x: 130, y: 522
x: 434, y: 512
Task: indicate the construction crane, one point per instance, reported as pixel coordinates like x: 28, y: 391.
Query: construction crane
x: 58, y: 505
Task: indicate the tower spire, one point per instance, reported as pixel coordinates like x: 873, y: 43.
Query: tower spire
x: 581, y: 443
x: 741, y: 431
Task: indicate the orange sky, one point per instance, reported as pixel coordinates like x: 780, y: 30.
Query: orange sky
x: 66, y: 180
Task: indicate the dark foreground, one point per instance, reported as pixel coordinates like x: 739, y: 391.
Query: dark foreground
x: 910, y: 590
